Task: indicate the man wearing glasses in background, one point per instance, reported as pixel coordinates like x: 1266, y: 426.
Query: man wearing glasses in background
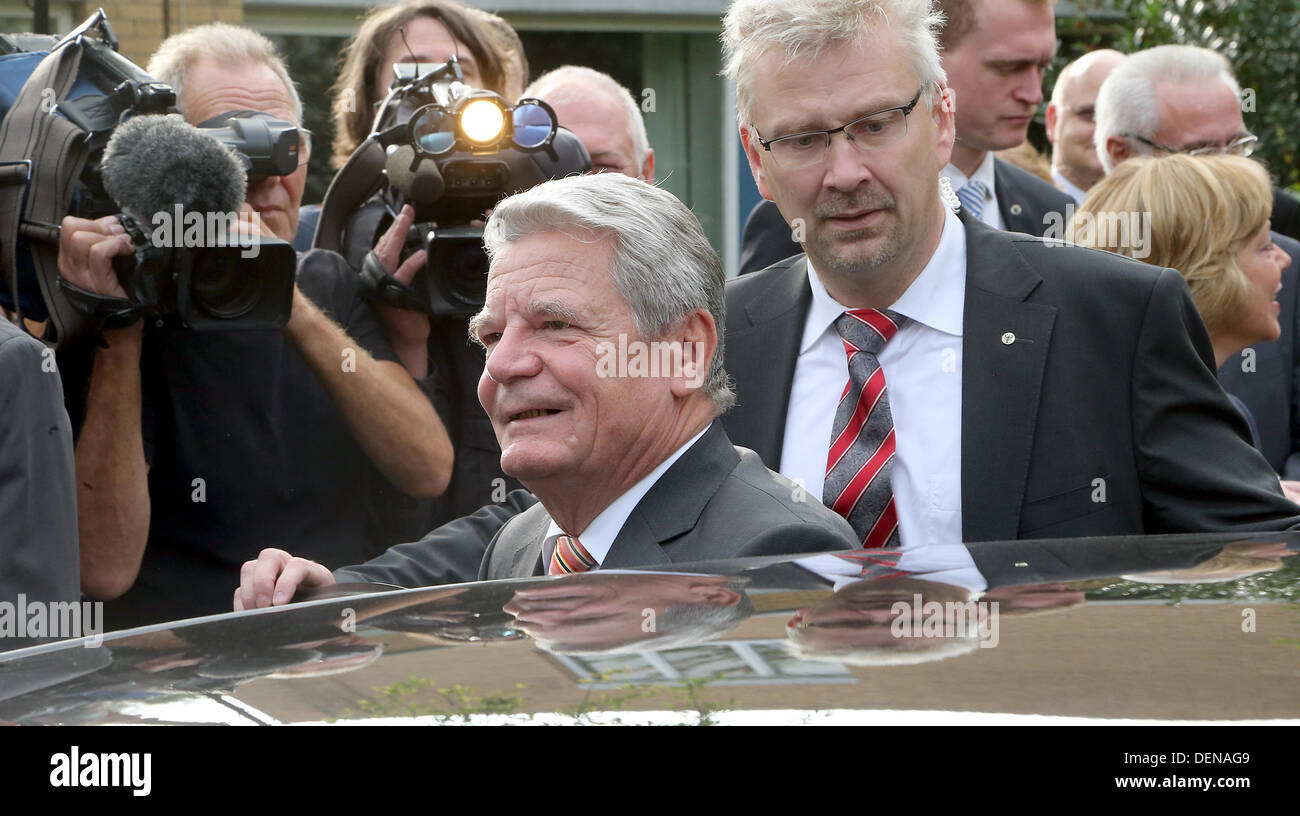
x: 1070, y: 118
x: 1185, y: 99
x: 930, y: 378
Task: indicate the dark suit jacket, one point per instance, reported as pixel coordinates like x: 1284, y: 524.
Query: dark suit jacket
x: 1023, y: 199
x: 1270, y: 385
x: 1286, y: 214
x: 1110, y: 377
x: 716, y: 501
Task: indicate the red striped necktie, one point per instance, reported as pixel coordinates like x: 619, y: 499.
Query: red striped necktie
x: 568, y: 556
x: 861, y: 454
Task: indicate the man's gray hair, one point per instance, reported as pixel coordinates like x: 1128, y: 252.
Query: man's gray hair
x: 564, y: 84
x: 664, y: 266
x: 227, y: 45
x: 804, y: 27
x: 1129, y: 100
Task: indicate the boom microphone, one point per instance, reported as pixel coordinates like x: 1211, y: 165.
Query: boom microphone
x: 154, y: 162
x: 423, y: 186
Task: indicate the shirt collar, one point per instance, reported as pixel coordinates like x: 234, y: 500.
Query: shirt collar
x: 935, y: 299
x: 600, y: 534
x: 1068, y: 187
x: 983, y: 173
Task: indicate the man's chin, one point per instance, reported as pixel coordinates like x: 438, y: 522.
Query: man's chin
x: 278, y: 223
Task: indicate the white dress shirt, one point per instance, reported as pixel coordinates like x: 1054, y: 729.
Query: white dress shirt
x: 1068, y: 187
x: 604, y: 528
x: 922, y: 365
x: 992, y: 213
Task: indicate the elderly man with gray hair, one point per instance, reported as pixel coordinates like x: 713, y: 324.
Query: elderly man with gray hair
x: 1185, y: 99
x: 603, y: 382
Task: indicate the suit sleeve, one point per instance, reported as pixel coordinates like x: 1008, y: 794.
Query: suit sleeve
x: 451, y: 554
x: 1198, y: 471
x: 38, y: 499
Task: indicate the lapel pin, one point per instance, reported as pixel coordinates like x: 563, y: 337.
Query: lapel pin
x: 1008, y: 338
x: 1022, y: 563
x: 1015, y: 209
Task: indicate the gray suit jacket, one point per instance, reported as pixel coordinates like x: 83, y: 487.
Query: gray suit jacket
x: 1110, y: 377
x: 38, y: 493
x: 716, y: 501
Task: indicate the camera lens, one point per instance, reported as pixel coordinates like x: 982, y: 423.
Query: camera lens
x: 224, y: 285
x: 534, y: 125
x: 465, y: 268
x: 433, y: 131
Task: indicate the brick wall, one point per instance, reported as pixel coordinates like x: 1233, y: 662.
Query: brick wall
x: 139, y: 23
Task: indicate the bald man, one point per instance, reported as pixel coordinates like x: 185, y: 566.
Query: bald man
x: 1070, y: 121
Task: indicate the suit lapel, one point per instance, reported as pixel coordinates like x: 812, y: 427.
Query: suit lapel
x: 516, y: 550
x: 1005, y: 343
x: 761, y: 357
x: 674, y: 504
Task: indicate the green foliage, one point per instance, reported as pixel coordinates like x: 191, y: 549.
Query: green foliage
x: 423, y: 697
x: 1260, y: 37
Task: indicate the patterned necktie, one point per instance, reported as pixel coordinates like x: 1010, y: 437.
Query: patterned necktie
x: 862, y: 440
x: 973, y: 194
x: 568, y: 556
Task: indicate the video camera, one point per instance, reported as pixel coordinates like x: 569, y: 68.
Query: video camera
x: 451, y: 152
x: 69, y: 106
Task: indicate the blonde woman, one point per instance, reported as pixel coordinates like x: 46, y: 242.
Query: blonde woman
x: 1207, y: 217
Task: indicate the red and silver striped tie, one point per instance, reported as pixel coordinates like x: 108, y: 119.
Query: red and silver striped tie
x: 569, y: 556
x: 862, y: 440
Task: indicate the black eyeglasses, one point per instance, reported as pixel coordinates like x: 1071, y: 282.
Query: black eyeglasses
x: 1243, y: 146
x: 874, y: 131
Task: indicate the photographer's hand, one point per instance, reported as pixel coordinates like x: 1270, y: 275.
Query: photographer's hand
x: 408, y: 331
x: 86, y: 251
x: 274, y: 577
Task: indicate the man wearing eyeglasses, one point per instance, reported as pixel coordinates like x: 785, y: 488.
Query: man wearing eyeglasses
x: 930, y: 378
x: 197, y: 449
x: 1070, y: 118
x: 1185, y: 99
x: 994, y: 53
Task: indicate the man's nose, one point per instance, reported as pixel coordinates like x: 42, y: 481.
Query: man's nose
x: 1029, y: 90
x: 846, y: 166
x: 512, y: 357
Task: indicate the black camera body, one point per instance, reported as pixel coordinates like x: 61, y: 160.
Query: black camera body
x: 75, y: 97
x: 230, y: 282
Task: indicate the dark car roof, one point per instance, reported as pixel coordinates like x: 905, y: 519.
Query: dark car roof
x: 1150, y: 627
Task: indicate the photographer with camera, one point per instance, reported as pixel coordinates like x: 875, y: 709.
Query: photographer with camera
x: 429, y: 138
x: 199, y: 448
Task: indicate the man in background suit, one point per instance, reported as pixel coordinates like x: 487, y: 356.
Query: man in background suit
x: 995, y: 52
x: 1031, y: 389
x: 603, y: 380
x: 1181, y: 98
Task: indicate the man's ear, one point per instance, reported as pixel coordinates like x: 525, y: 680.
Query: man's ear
x: 697, y: 342
x: 752, y: 149
x: 1051, y: 122
x: 710, y: 594
x: 944, y: 114
x: 1117, y: 147
x: 648, y: 167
